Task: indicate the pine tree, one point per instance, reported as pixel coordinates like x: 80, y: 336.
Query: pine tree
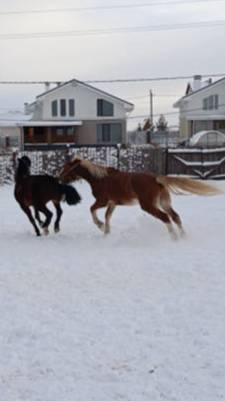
x: 162, y: 124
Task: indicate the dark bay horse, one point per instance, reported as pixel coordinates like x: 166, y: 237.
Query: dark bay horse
x: 37, y: 191
x: 112, y: 187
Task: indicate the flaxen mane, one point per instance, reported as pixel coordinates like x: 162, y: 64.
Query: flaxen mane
x: 94, y: 169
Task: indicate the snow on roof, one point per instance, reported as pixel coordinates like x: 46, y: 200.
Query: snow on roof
x: 13, y: 118
x: 195, y: 139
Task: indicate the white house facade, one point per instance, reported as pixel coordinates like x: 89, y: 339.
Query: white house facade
x: 75, y: 112
x: 202, y: 107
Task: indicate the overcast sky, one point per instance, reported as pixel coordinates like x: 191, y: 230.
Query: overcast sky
x: 130, y: 55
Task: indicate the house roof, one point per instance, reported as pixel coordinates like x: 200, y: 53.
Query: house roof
x: 18, y: 119
x: 188, y: 95
x: 13, y: 119
x: 88, y: 86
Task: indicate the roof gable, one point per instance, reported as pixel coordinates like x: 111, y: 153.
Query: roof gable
x: 190, y: 93
x: 68, y: 83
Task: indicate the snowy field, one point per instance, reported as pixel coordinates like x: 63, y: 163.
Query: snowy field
x: 132, y: 316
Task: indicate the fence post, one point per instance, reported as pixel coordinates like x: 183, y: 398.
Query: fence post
x: 166, y: 159
x: 118, y: 156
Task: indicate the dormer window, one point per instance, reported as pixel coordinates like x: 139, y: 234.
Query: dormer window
x: 71, y: 108
x: 62, y: 107
x: 104, y: 108
x: 54, y: 108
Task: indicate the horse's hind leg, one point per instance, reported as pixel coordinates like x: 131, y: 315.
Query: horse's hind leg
x: 59, y: 213
x: 48, y: 215
x: 165, y: 202
x: 97, y: 205
x: 108, y: 214
x: 30, y: 217
x: 149, y: 206
x: 177, y: 220
x: 37, y: 217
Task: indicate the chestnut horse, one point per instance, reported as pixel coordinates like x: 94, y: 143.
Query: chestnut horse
x: 37, y: 191
x: 113, y: 187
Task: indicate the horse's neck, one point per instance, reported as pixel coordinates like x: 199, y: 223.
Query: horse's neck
x: 86, y: 175
x: 21, y: 173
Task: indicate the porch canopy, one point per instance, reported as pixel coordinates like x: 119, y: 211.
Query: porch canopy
x: 47, y: 123
x: 204, y: 117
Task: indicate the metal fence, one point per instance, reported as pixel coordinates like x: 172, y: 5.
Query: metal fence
x: 131, y: 158
x: 200, y: 163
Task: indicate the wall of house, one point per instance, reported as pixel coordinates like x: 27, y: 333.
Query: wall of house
x: 10, y: 136
x: 87, y: 133
x: 191, y: 108
x: 85, y: 103
x: 185, y: 128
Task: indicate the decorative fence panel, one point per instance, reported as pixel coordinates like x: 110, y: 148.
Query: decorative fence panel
x: 133, y: 158
x: 199, y: 163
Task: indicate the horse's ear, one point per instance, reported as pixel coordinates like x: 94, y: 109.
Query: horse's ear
x: 76, y: 160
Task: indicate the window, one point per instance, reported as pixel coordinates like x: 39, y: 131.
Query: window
x: 104, y: 108
x: 205, y: 104
x: 216, y: 97
x: 69, y: 131
x: 54, y: 108
x: 211, y: 102
x: 71, y: 107
x: 63, y: 107
x: 211, y: 98
x: 59, y: 131
x: 109, y: 133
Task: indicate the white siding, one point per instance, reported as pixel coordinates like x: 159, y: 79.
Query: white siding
x: 192, y: 106
x: 85, y: 103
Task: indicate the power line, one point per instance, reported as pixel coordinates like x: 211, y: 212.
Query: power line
x: 117, y: 80
x: 176, y: 112
x: 108, y: 7
x: 158, y: 95
x: 111, y: 31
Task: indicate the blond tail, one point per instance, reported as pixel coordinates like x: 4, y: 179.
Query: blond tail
x: 180, y: 185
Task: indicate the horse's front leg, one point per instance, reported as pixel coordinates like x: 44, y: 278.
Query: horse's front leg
x: 108, y: 215
x: 97, y: 205
x: 30, y: 217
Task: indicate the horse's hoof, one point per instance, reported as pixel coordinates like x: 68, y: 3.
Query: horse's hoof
x: 45, y: 231
x: 101, y: 226
x: 39, y: 234
x: 56, y: 230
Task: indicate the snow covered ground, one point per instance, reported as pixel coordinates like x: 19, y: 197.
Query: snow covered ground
x: 132, y: 316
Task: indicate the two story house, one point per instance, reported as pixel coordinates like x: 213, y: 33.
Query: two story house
x: 76, y: 113
x: 202, y: 108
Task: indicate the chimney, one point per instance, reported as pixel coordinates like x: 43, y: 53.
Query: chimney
x: 26, y: 108
x: 197, y: 82
x: 47, y: 86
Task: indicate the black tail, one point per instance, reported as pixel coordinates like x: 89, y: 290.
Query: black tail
x: 71, y: 194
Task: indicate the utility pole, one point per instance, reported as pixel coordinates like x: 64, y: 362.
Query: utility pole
x: 151, y: 106
x: 150, y: 114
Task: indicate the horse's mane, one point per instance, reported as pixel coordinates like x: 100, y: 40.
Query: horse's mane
x: 95, y: 170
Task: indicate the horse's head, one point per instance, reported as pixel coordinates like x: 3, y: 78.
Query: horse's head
x: 70, y: 171
x: 23, y: 168
x: 26, y: 160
